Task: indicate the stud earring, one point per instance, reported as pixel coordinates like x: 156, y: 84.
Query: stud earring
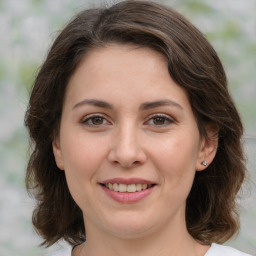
x: 204, y: 163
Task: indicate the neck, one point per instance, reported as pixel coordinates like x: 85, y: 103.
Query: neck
x: 172, y: 240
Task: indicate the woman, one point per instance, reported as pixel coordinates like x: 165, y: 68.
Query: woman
x: 136, y: 139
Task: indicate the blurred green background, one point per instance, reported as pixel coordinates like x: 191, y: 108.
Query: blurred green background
x: 28, y: 27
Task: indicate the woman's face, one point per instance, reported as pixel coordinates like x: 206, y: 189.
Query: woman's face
x: 128, y: 142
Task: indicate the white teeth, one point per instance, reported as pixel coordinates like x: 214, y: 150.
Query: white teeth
x: 127, y: 188
x: 115, y: 187
x: 131, y: 188
x: 144, y: 186
x: 138, y: 187
x: 122, y: 188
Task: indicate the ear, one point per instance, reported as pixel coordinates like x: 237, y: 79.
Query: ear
x: 208, y: 147
x: 57, y: 153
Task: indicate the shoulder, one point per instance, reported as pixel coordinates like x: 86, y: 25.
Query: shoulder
x: 221, y: 250
x: 63, y: 252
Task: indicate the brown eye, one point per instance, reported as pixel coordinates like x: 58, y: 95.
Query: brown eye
x: 160, y: 121
x: 95, y: 121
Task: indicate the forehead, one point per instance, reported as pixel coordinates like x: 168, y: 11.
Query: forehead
x: 122, y: 54
x: 125, y: 71
x: 120, y: 61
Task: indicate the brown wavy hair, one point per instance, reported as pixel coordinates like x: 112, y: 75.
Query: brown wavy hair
x: 211, y: 213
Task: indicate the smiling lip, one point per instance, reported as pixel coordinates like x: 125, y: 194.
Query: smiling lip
x: 127, y: 190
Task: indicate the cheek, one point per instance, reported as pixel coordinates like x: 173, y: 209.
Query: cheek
x: 176, y: 161
x: 81, y: 154
x: 81, y: 159
x: 179, y: 151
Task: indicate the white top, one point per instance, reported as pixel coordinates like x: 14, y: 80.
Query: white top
x: 221, y: 250
x: 215, y: 250
x: 63, y: 252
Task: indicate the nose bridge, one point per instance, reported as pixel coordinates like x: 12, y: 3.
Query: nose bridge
x: 127, y: 139
x: 127, y: 149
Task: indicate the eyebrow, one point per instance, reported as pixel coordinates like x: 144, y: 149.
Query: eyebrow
x: 160, y: 103
x: 143, y: 106
x: 93, y: 102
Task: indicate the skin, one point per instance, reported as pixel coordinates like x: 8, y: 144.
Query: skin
x: 159, y: 143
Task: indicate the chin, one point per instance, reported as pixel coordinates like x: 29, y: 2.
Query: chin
x: 130, y: 227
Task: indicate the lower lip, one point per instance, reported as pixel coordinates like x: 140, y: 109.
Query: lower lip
x: 128, y: 197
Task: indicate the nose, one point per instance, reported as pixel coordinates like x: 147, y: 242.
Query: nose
x: 127, y: 149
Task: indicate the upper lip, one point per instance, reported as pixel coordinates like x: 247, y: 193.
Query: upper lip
x: 128, y: 181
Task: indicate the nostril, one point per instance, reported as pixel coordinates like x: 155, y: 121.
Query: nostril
x: 126, y: 164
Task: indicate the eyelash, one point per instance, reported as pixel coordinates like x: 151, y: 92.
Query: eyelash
x: 162, y: 116
x: 88, y: 120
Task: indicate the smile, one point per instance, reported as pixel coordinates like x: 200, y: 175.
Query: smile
x: 124, y: 188
x: 127, y: 191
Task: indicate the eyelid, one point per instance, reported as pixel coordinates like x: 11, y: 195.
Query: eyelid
x: 94, y: 115
x: 167, y: 117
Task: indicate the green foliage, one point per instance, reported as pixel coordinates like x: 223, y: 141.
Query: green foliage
x: 36, y: 2
x: 1, y: 71
x: 229, y: 30
x: 27, y: 74
x: 197, y: 6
